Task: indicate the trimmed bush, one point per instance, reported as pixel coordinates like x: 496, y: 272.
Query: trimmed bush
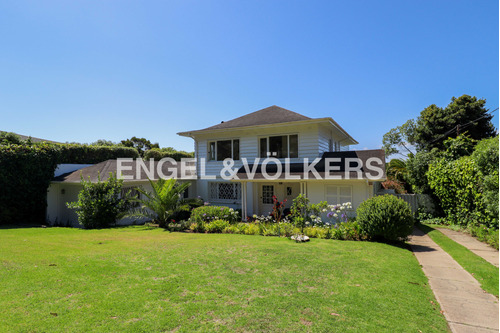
x: 87, y: 154
x: 386, y: 218
x: 211, y: 213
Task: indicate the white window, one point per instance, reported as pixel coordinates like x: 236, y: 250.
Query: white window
x: 227, y: 192
x: 281, y: 146
x: 222, y: 149
x: 336, y: 195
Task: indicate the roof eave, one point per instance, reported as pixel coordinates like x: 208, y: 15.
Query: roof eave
x: 330, y: 120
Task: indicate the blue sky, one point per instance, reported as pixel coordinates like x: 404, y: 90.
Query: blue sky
x: 87, y: 70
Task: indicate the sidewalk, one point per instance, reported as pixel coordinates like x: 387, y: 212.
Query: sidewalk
x: 481, y: 249
x: 466, y: 307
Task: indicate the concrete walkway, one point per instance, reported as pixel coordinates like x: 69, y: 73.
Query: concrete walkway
x: 481, y: 249
x: 466, y: 307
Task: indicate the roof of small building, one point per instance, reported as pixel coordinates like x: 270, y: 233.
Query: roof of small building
x: 138, y: 173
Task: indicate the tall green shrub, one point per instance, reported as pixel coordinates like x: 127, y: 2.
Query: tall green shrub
x: 457, y: 184
x: 25, y: 174
x: 385, y: 217
x: 100, y: 204
x: 486, y: 156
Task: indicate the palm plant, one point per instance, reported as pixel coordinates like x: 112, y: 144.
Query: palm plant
x: 397, y: 169
x: 163, y: 201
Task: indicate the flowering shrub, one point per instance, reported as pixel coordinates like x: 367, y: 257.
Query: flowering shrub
x: 305, y: 214
x: 210, y: 213
x: 339, y: 231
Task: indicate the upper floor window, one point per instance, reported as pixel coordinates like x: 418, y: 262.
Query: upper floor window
x: 282, y: 146
x: 222, y: 149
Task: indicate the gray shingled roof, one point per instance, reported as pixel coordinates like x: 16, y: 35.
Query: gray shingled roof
x: 104, y: 168
x: 271, y: 115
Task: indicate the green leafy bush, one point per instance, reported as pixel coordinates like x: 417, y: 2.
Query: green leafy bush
x: 486, y: 156
x: 216, y: 226
x: 26, y: 172
x: 100, y: 204
x: 485, y: 234
x: 457, y: 185
x: 385, y: 217
x: 210, y: 213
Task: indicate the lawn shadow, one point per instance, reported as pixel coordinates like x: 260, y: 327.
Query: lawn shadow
x: 21, y: 226
x: 421, y: 248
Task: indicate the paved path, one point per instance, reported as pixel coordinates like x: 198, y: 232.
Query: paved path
x: 466, y: 307
x: 481, y: 249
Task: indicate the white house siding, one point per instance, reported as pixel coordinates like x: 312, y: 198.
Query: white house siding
x: 361, y: 190
x: 57, y: 196
x: 249, y: 145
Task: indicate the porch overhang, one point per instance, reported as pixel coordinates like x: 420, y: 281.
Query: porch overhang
x: 331, y: 166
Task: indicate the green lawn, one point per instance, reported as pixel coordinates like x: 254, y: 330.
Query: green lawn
x: 484, y: 272
x: 137, y: 279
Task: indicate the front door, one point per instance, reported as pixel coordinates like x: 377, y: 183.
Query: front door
x: 267, y: 191
x: 288, y: 191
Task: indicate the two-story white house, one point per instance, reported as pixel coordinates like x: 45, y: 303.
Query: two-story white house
x: 290, y: 138
x: 278, y: 138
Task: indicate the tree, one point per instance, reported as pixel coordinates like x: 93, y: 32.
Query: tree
x: 417, y: 167
x: 104, y: 142
x: 463, y: 114
x: 400, y: 140
x: 141, y: 144
x: 434, y: 125
x: 163, y: 201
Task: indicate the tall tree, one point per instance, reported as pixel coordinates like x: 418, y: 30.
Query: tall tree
x: 463, y: 114
x: 141, y: 144
x: 400, y: 140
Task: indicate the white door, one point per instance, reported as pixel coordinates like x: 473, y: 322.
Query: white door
x: 290, y: 192
x: 267, y: 191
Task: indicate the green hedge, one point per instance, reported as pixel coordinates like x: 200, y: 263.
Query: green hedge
x: 158, y: 154
x: 467, y: 188
x: 86, y: 154
x: 25, y: 174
